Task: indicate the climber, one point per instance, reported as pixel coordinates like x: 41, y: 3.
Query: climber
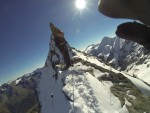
x: 61, y: 44
x: 52, y: 95
x: 129, y: 9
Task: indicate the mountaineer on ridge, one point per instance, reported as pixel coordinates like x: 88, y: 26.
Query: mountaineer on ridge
x: 58, y: 40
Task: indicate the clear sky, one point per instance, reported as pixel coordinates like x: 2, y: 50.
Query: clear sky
x: 25, y: 32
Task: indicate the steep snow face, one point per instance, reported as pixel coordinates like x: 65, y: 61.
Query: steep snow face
x: 77, y: 91
x: 141, y: 71
x: 124, y: 55
x: 51, y: 97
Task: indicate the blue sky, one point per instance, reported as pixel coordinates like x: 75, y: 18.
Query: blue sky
x: 25, y: 32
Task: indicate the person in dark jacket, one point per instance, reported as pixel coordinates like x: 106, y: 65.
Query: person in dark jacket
x: 61, y: 44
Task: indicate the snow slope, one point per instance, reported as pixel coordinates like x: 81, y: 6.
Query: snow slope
x: 81, y: 87
x: 78, y: 90
x: 47, y: 87
x: 145, y: 89
x: 88, y: 86
x: 141, y: 71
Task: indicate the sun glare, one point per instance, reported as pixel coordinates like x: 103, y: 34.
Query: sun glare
x: 80, y: 4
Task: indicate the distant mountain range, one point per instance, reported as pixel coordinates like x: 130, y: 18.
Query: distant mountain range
x: 123, y: 55
x: 21, y: 95
x: 101, y: 79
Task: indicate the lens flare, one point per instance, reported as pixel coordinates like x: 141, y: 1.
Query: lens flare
x: 80, y: 4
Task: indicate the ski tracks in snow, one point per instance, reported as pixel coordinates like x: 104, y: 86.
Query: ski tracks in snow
x: 89, y: 94
x: 79, y: 90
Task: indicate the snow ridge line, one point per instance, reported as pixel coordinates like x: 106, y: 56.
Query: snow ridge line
x: 76, y: 60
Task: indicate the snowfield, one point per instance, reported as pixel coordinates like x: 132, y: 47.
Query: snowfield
x: 78, y: 90
x: 141, y: 71
x: 83, y: 92
x: 48, y: 87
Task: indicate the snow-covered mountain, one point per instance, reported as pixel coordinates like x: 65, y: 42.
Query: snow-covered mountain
x: 123, y: 55
x: 88, y: 86
x: 20, y: 95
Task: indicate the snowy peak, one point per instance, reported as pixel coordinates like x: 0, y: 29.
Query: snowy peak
x: 93, y: 46
x: 87, y: 86
x: 124, y: 55
x: 113, y: 50
x: 106, y: 41
x: 56, y: 54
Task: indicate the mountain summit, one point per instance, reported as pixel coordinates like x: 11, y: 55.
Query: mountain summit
x: 87, y: 86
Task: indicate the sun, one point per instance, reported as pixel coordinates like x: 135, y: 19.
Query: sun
x: 80, y: 4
